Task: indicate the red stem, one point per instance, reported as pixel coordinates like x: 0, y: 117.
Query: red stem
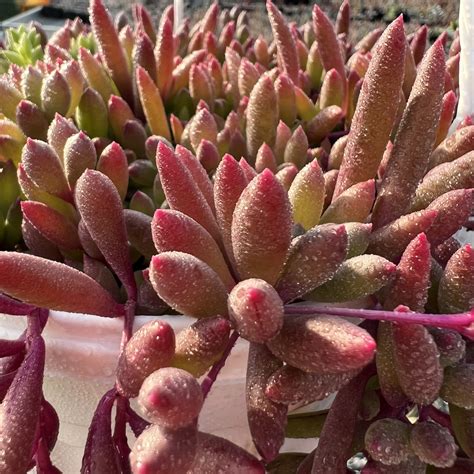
x: 453, y: 321
x: 211, y: 377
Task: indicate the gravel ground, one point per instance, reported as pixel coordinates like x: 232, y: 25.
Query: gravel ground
x: 366, y: 14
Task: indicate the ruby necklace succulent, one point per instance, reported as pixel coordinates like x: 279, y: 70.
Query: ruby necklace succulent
x: 299, y: 193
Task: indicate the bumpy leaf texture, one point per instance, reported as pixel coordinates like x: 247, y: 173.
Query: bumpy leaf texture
x: 261, y: 229
x: 149, y: 349
x: 100, y: 205
x: 188, y: 285
x: 267, y: 419
x: 376, y: 109
x: 171, y: 398
x: 458, y: 385
x: 53, y: 285
x: 322, y: 344
x: 19, y: 411
x: 309, y: 263
x: 256, y: 310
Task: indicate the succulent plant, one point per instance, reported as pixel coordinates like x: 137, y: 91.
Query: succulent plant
x: 300, y: 193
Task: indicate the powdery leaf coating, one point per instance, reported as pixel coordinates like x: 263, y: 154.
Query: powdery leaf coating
x: 456, y: 145
x: 450, y: 344
x: 55, y: 94
x: 353, y: 205
x: 31, y: 119
x: 171, y: 398
x: 215, y: 455
x: 443, y: 252
x: 19, y: 411
x: 59, y: 131
x: 296, y: 150
x: 386, y: 371
x: 256, y: 310
x: 208, y: 156
x: 456, y: 288
x: 323, y: 123
x: 181, y: 190
x: 454, y: 209
x: 149, y: 349
x: 448, y: 110
x: 328, y: 44
x: 290, y: 385
x: 283, y: 134
x: 79, y: 154
x: 267, y: 419
x: 138, y: 227
x: 388, y: 441
x: 458, y: 174
x: 229, y: 182
x: 143, y: 55
x: 248, y: 170
x: 391, y: 240
x: 111, y: 50
x: 188, y: 285
x: 203, y: 127
x: 412, y: 280
x: 119, y: 114
x: 356, y: 278
x: 248, y: 77
x: 286, y: 175
x: 164, y: 55
x: 322, y: 344
x: 285, y: 91
x: 54, y: 226
x: 161, y: 451
x: 417, y: 362
x: 265, y: 159
x: 261, y: 229
x: 458, y: 385
x: 376, y: 110
x: 100, y: 206
x: 330, y: 179
x: 357, y: 238
x: 152, y: 104
x: 285, y: 44
x: 44, y: 168
x: 262, y: 115
x: 309, y: 263
x: 433, y: 444
x: 100, y: 454
x: 337, y: 152
x: 198, y: 173
x: 306, y: 195
x: 332, y: 90
x: 200, y: 345
x: 415, y: 137
x: 53, y: 285
x: 91, y: 114
x: 10, y: 98
x: 463, y: 426
x: 175, y: 231
x: 335, y: 440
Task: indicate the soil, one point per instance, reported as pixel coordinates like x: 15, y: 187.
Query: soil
x: 366, y: 14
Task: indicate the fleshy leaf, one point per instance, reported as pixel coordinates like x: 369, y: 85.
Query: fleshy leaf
x: 309, y: 263
x: 256, y: 310
x: 200, y: 345
x: 261, y: 229
x: 138, y: 227
x: 267, y: 419
x: 376, y: 109
x: 322, y: 344
x: 356, y: 278
x: 188, y: 285
x: 79, y: 155
x: 296, y: 150
x: 403, y: 174
x: 456, y: 288
x: 171, y: 398
x: 306, y: 195
x: 53, y: 285
x: 290, y: 385
x: 456, y: 145
x: 410, y: 287
x: 458, y: 386
x: 100, y: 205
x: 175, y: 231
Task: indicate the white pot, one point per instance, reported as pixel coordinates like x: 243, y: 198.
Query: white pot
x: 81, y: 356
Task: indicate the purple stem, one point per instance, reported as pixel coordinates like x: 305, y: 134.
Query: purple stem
x: 16, y: 308
x: 211, y: 377
x: 454, y: 321
x: 136, y: 422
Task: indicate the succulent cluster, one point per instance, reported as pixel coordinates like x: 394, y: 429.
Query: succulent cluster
x: 273, y: 190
